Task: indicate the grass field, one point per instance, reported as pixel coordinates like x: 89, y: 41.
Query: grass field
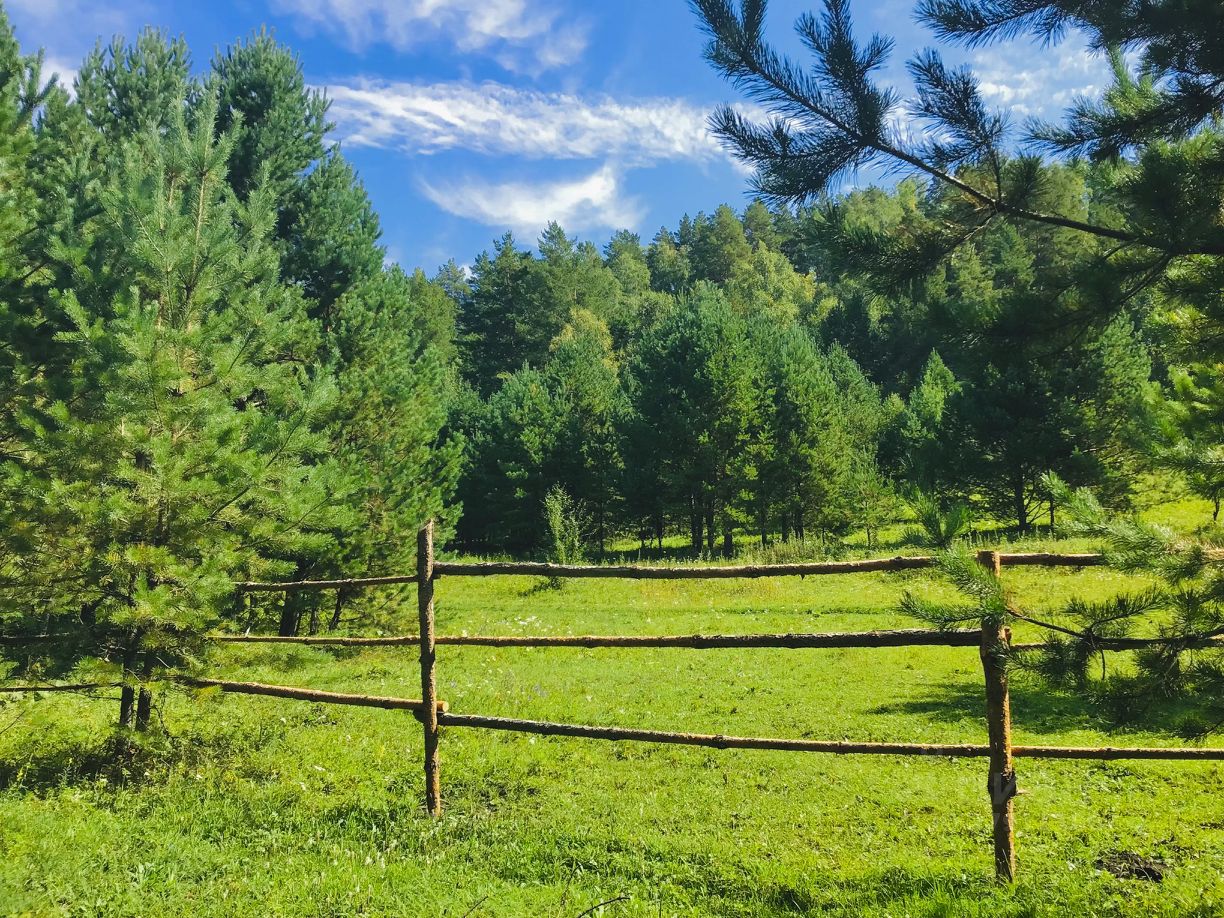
x: 261, y: 807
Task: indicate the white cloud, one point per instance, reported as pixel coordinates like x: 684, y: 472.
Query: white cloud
x: 69, y: 29
x: 520, y: 34
x: 1026, y: 83
x: 494, y: 119
x: 65, y: 72
x: 595, y: 201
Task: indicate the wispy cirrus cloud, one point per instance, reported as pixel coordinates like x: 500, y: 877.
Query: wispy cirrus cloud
x: 495, y: 119
x: 595, y: 201
x: 519, y: 34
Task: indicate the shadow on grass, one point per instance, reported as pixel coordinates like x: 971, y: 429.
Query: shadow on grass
x: 1038, y: 708
x: 719, y: 885
x: 42, y: 767
x: 1033, y: 707
x: 48, y: 761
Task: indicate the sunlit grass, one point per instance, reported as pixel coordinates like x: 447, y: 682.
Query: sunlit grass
x: 262, y: 807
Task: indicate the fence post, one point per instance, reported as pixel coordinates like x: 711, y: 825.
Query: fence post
x: 1001, y: 779
x: 429, y: 683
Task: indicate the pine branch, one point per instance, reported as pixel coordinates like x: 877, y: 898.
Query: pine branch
x: 841, y: 98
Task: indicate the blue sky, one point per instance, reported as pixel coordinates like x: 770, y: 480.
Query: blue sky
x: 466, y: 118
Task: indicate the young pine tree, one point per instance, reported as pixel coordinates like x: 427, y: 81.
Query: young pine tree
x: 184, y: 455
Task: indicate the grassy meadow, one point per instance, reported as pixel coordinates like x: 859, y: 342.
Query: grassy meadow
x: 260, y: 807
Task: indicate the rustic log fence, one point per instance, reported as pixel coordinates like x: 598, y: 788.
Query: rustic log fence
x: 992, y: 639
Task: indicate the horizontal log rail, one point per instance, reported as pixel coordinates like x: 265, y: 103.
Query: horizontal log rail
x: 61, y: 687
x: 639, y: 572
x: 292, y: 586
x: 1137, y: 643
x: 839, y: 747
x: 714, y: 741
x: 913, y: 637
x: 1047, y: 559
x: 690, y: 572
x: 907, y: 637
x: 305, y: 694
x: 1161, y: 753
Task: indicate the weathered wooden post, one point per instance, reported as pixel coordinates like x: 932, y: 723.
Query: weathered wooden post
x: 1001, y: 778
x: 429, y: 683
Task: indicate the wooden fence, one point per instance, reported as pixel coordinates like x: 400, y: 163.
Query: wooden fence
x: 993, y: 642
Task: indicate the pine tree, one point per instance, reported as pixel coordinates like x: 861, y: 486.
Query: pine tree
x: 498, y: 326
x: 125, y: 89
x: 718, y: 245
x: 1160, y: 129
x: 394, y: 381
x: 277, y: 123
x: 330, y: 235
x: 511, y: 442
x: 694, y: 399
x: 1193, y: 432
x: 584, y: 379
x: 670, y: 267
x: 185, y: 456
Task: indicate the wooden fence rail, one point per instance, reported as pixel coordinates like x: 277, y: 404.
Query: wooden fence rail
x: 639, y: 572
x: 911, y: 637
x: 908, y: 637
x: 307, y: 694
x: 841, y: 747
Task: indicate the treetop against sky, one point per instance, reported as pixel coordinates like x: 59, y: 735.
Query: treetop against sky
x: 466, y: 118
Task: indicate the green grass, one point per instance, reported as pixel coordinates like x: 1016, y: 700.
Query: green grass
x: 259, y: 807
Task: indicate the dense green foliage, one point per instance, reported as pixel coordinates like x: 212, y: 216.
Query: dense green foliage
x: 207, y: 373
x: 737, y: 374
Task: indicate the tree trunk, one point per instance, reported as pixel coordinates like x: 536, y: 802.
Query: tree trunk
x: 728, y: 538
x: 127, y: 703
x: 1001, y: 780
x: 127, y: 696
x: 335, y: 619
x: 289, y: 617
x: 695, y: 527
x: 1020, y: 508
x: 709, y: 523
x: 144, y: 707
x: 658, y: 522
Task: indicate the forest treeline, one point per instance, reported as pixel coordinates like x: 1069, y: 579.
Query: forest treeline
x: 736, y: 374
x: 211, y: 373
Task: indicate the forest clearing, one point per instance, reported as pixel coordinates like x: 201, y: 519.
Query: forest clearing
x: 264, y: 806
